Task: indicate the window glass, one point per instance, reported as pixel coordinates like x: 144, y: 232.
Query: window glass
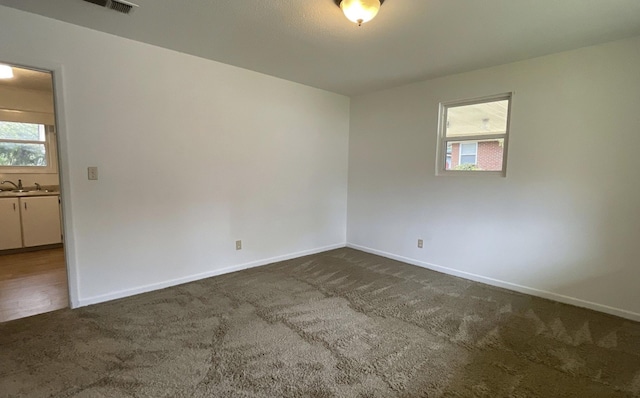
x: 23, y: 145
x: 22, y: 131
x: 485, y: 155
x: 468, y: 148
x: 477, y: 119
x: 468, y: 159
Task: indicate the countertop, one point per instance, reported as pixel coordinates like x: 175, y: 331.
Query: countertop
x: 11, y: 194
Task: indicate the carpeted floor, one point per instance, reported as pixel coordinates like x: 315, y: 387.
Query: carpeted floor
x: 337, y: 324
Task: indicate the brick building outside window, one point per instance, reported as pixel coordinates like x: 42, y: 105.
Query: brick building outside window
x: 488, y: 155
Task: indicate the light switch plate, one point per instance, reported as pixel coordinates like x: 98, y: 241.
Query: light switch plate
x: 238, y: 245
x: 92, y: 173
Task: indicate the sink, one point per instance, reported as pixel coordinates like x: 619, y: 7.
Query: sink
x: 20, y: 190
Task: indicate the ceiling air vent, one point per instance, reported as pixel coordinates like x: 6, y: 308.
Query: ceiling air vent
x: 122, y: 6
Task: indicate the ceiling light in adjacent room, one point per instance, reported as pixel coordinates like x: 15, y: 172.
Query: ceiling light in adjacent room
x: 6, y: 72
x: 360, y: 11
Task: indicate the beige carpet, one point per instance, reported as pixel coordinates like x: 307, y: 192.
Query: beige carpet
x: 337, y: 324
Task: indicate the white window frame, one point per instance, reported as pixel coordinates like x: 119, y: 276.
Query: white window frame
x: 441, y: 152
x: 50, y: 168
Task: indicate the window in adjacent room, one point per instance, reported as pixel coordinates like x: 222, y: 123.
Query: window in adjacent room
x: 473, y: 136
x: 24, y: 147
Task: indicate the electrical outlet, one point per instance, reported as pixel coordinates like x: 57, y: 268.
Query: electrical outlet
x: 238, y: 245
x: 92, y: 173
x: 420, y: 243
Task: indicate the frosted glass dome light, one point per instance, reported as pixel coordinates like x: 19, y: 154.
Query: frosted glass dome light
x: 360, y: 11
x: 6, y: 72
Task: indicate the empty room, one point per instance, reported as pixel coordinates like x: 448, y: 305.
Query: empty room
x: 320, y: 198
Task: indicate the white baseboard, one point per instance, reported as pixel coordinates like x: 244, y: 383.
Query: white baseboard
x: 506, y: 285
x: 190, y: 278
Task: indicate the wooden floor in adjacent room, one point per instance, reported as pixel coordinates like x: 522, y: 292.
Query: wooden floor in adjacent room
x: 32, y: 283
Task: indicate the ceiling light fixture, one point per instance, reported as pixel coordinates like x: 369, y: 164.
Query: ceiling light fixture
x: 6, y: 72
x: 359, y: 11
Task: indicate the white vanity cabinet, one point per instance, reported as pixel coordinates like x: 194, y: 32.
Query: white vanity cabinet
x: 10, y: 229
x: 40, y: 220
x: 29, y: 221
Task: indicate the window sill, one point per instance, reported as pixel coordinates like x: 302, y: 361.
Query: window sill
x: 470, y: 173
x: 28, y: 170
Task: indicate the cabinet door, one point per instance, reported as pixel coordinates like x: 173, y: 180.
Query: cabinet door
x: 40, y: 220
x: 10, y: 232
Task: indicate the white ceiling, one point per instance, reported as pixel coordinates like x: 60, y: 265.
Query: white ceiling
x: 311, y: 42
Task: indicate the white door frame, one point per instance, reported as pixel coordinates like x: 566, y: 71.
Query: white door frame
x: 57, y: 72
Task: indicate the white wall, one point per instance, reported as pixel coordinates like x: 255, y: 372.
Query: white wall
x: 563, y: 224
x: 192, y: 155
x: 195, y: 154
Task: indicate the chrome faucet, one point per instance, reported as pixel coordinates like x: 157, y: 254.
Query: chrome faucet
x: 18, y: 187
x: 38, y: 187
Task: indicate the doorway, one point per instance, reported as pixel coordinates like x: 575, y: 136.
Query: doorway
x: 33, y: 268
